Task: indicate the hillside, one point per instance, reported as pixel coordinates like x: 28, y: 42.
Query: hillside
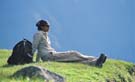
x: 112, y: 71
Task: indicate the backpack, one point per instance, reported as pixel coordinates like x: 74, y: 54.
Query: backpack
x: 22, y: 53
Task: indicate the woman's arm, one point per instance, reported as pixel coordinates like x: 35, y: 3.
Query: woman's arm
x: 36, y: 41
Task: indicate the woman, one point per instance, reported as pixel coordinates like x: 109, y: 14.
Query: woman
x: 42, y: 43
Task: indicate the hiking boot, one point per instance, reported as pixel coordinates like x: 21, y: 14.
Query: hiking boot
x: 101, y: 60
x: 104, y: 59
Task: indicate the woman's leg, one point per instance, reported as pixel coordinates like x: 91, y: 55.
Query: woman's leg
x: 73, y: 56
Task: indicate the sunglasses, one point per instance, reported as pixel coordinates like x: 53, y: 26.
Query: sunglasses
x: 45, y: 25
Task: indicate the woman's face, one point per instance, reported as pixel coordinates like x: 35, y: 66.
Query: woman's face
x: 45, y: 28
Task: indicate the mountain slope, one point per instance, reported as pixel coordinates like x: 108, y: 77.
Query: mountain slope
x: 112, y: 71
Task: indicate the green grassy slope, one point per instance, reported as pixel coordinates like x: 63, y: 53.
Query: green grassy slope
x: 114, y: 70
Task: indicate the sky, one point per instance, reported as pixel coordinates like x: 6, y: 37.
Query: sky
x: 88, y: 26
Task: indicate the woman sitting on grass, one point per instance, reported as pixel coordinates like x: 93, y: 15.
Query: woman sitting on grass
x: 42, y: 43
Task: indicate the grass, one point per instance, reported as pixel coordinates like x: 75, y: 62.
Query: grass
x: 73, y: 72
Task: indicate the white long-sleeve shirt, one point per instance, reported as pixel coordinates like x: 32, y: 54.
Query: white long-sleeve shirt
x: 42, y: 44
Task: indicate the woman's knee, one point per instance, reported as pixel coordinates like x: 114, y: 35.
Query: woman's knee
x: 75, y: 53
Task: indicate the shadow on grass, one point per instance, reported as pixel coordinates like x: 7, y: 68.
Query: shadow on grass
x: 7, y: 65
x: 10, y: 65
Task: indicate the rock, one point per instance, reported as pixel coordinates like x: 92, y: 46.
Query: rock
x: 111, y: 80
x: 39, y: 72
